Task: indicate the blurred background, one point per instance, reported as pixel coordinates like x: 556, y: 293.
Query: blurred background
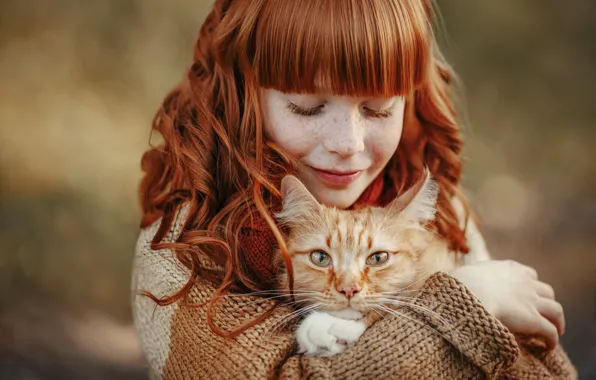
x: 81, y: 80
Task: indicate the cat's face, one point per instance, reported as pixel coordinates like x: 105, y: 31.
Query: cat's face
x: 354, y: 259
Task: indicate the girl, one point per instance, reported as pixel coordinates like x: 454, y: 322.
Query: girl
x: 351, y: 96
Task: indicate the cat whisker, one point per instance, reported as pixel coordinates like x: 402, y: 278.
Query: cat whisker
x: 293, y: 315
x: 421, y: 279
x: 393, y: 292
x: 298, y: 301
x: 260, y: 298
x: 281, y: 320
x: 269, y: 292
x: 390, y: 294
x: 372, y: 308
x: 415, y: 307
x: 277, y: 298
x: 396, y: 313
x: 379, y: 313
x: 391, y: 297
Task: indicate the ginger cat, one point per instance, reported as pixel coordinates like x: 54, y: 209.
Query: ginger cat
x: 347, y: 263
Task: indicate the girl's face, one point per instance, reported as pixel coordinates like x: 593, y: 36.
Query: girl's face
x: 341, y: 142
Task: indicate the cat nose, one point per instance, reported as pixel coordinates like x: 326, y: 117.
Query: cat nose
x: 349, y: 291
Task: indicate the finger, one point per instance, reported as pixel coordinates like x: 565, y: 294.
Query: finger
x: 549, y: 332
x: 544, y: 290
x: 553, y: 312
x: 530, y: 271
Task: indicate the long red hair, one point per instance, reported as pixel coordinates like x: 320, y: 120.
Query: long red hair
x: 214, y: 156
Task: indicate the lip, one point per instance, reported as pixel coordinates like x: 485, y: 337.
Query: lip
x: 337, y: 178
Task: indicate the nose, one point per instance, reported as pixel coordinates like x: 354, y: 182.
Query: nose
x: 349, y: 291
x: 345, y: 136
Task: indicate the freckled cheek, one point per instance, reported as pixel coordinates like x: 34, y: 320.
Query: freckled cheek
x: 383, y: 148
x: 383, y: 142
x: 298, y: 139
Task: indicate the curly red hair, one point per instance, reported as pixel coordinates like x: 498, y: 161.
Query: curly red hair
x: 214, y: 155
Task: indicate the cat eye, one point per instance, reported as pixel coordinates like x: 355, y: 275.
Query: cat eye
x: 320, y: 258
x: 377, y: 258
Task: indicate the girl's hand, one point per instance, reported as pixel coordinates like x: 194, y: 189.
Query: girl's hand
x: 513, y: 294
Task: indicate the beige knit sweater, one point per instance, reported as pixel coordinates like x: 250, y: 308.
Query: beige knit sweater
x: 467, y: 343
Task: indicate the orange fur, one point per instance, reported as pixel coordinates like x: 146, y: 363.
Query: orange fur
x: 351, y: 237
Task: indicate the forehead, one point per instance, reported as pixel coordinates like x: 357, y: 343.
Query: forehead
x: 348, y: 229
x: 335, y: 229
x: 350, y: 234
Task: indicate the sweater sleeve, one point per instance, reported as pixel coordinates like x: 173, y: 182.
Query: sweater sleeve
x: 454, y: 338
x: 474, y: 238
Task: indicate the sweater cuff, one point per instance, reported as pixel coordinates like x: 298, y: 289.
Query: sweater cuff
x: 461, y: 319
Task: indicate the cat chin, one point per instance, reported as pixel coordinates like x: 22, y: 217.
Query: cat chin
x: 349, y: 314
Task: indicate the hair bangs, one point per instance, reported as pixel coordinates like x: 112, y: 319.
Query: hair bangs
x: 347, y: 47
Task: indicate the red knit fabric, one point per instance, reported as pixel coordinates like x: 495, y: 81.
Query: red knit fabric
x: 258, y: 244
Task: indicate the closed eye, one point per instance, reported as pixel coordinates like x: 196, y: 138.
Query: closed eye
x: 302, y: 111
x: 378, y: 113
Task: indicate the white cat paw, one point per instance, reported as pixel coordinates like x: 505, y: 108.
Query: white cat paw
x: 321, y: 334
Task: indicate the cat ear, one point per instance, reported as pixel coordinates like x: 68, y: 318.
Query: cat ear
x: 297, y: 201
x: 418, y: 204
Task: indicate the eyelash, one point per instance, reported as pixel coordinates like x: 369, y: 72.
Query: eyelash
x: 317, y: 110
x: 379, y: 114
x: 304, y: 111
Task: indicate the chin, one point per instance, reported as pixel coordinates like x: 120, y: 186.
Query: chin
x: 341, y: 199
x: 339, y: 204
x: 347, y: 313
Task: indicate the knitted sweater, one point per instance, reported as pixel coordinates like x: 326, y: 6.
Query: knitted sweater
x: 466, y: 343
